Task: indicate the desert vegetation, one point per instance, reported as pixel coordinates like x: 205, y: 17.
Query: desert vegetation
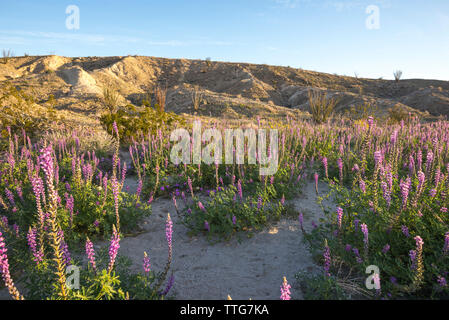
x: 67, y: 198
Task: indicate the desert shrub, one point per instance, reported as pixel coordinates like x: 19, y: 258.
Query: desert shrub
x: 362, y: 111
x: 196, y: 98
x: 110, y: 98
x: 19, y: 113
x: 397, y: 75
x: 84, y: 139
x: 6, y: 55
x: 134, y: 121
x: 321, y: 107
x: 160, y: 95
x: 398, y: 114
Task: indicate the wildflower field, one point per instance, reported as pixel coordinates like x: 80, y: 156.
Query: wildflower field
x: 60, y: 194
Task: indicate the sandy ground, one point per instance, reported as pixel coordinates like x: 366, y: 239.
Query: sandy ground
x: 249, y: 268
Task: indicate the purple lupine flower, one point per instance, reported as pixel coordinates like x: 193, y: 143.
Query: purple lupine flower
x: 170, y: 283
x: 404, y: 185
x: 206, y: 226
x: 46, y: 162
x: 114, y: 126
x: 419, y: 243
x: 324, y: 161
x: 377, y: 158
x: 364, y: 229
x: 146, y: 263
x: 393, y: 280
x: 340, y: 169
x: 356, y: 224
x: 239, y: 188
x: 357, y: 255
x: 327, y: 259
x: 19, y: 192
x: 405, y: 231
x: 376, y: 279
x: 285, y: 290
x: 446, y: 243
x: 169, y: 231
x: 442, y: 281
x: 433, y: 193
x: 316, y: 182
x: 283, y: 200
x: 234, y: 220
x: 201, y: 206
x: 10, y: 197
x: 189, y: 182
x: 90, y: 252
x: 348, y: 247
x: 301, y: 219
x: 4, y: 270
x: 429, y: 159
x: 64, y: 248
x: 386, y: 248
x: 370, y: 122
x: 386, y: 193
x: 259, y: 203
x: 96, y: 223
x: 412, y: 255
x: 16, y: 230
x: 339, y: 216
x: 362, y: 185
x: 37, y: 254
x: 113, y: 248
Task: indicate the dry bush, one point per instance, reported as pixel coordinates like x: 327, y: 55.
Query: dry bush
x: 397, y: 75
x: 160, y: 94
x: 6, y: 55
x: 87, y: 139
x: 321, y: 107
x: 110, y: 98
x: 197, y: 97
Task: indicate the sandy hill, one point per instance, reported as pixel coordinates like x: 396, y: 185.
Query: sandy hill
x: 227, y: 89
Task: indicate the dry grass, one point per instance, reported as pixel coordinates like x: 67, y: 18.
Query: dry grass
x: 161, y: 95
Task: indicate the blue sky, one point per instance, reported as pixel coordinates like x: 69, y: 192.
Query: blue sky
x: 322, y: 35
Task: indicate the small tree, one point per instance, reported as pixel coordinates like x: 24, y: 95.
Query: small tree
x: 397, y: 75
x: 320, y: 106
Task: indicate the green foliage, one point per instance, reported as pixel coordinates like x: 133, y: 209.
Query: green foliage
x: 134, y: 121
x: 227, y: 213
